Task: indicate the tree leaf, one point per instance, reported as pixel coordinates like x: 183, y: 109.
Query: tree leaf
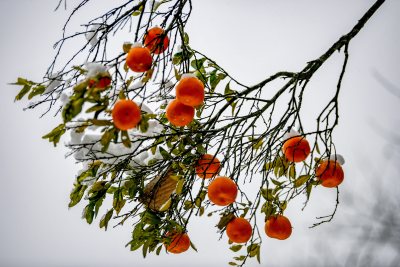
x: 236, y: 248
x: 55, y: 135
x: 301, y: 180
x: 38, y: 90
x: 106, y: 218
x: 225, y: 219
x: 25, y: 89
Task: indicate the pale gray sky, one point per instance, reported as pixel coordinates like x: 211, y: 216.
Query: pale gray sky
x: 251, y: 39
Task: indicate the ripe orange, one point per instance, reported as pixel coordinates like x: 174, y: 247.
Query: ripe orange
x: 330, y: 173
x: 101, y: 83
x: 278, y: 227
x: 156, y: 40
x: 179, y: 114
x: 190, y: 91
x: 239, y: 230
x: 296, y: 149
x: 179, y: 243
x: 126, y: 114
x: 139, y: 59
x: 207, y: 166
x: 222, y: 191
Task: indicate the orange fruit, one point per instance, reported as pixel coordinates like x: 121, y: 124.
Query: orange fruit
x: 179, y: 114
x: 126, y: 114
x: 207, y: 166
x: 296, y: 149
x: 156, y: 40
x: 239, y: 230
x: 101, y: 83
x: 190, y: 91
x: 179, y: 243
x: 139, y: 59
x: 278, y: 226
x: 222, y: 191
x: 330, y: 173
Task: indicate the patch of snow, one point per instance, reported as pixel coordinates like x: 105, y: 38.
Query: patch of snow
x: 188, y: 75
x: 55, y: 80
x: 337, y: 157
x: 91, y: 35
x: 94, y: 68
x: 292, y: 133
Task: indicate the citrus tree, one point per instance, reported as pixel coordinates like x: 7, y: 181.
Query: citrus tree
x: 166, y: 133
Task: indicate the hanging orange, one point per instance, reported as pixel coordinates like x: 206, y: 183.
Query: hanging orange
x: 126, y: 114
x: 296, y: 149
x: 278, y: 227
x: 101, y: 83
x: 330, y: 173
x: 179, y: 114
x: 239, y: 230
x: 207, y: 166
x: 139, y: 59
x: 190, y: 91
x: 156, y: 40
x: 179, y: 243
x: 222, y: 191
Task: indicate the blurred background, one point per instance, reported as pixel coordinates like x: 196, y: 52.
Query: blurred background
x: 251, y: 40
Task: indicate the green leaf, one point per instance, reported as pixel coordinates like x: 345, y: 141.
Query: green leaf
x: 23, y: 92
x: 197, y: 64
x: 253, y: 250
x: 76, y: 194
x: 269, y: 166
x: 283, y: 205
x: 317, y: 148
x: 158, y: 250
x: 179, y: 186
x: 232, y: 263
x: 38, y: 90
x: 145, y: 249
x: 193, y: 246
x: 275, y: 182
x: 126, y: 47
x: 301, y: 180
x: 215, y: 79
x: 55, y: 135
x: 228, y: 96
x: 236, y: 248
x: 186, y: 38
x: 80, y: 69
x: 240, y: 258
x: 292, y: 172
x: 96, y: 108
x: 165, y: 154
x: 308, y: 189
x: 104, y: 221
x: 100, y: 122
x: 225, y: 219
x: 118, y: 201
x: 89, y: 213
x: 201, y: 149
x: 22, y: 81
x: 106, y: 138
x: 125, y: 139
x: 176, y: 60
x: 72, y: 108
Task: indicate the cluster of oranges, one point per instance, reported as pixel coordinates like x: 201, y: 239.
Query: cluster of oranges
x: 329, y: 172
x: 222, y: 191
x: 189, y: 90
x: 126, y: 113
x: 189, y: 94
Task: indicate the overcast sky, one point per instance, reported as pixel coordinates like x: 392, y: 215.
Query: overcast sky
x: 251, y: 39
